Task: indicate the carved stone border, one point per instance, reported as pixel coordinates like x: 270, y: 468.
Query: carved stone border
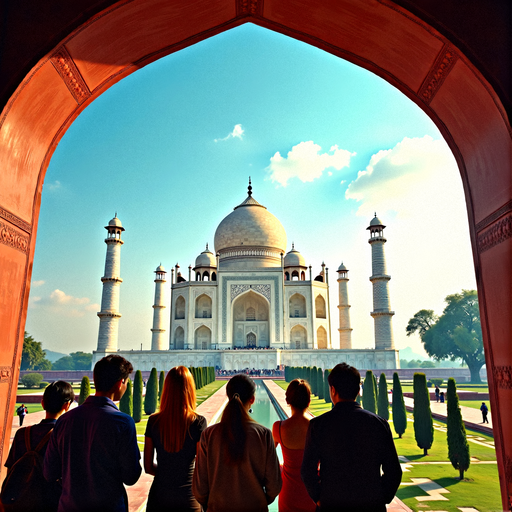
x: 249, y: 7
x: 497, y: 233
x: 438, y: 72
x: 15, y: 220
x: 73, y: 79
x: 503, y: 376
x: 13, y: 238
x: 494, y: 216
x: 5, y: 374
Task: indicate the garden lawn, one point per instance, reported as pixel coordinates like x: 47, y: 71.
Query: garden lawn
x: 475, y: 404
x: 31, y: 408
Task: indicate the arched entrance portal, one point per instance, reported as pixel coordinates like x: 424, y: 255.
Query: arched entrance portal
x: 90, y: 51
x: 250, y: 321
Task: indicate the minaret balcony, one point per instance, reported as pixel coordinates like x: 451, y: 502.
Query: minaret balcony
x: 377, y: 239
x: 109, y: 314
x: 105, y: 279
x: 380, y: 277
x: 382, y: 312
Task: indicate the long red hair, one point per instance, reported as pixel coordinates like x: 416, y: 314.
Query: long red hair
x: 177, y: 408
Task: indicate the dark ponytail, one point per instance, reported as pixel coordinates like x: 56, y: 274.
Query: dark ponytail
x: 240, y: 390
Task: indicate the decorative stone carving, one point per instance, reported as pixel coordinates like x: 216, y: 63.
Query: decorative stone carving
x: 497, y: 233
x: 238, y: 289
x: 494, y: 216
x: 13, y: 238
x: 248, y: 7
x: 197, y: 293
x: 503, y: 376
x: 437, y: 74
x: 15, y: 220
x: 5, y: 374
x: 67, y: 69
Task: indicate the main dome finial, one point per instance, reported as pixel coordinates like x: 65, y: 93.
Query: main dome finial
x: 249, y: 188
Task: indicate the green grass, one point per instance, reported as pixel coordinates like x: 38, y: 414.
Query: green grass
x: 475, y: 404
x: 31, y: 408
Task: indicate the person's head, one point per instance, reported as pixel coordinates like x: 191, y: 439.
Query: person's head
x: 240, y: 391
x: 298, y: 394
x: 177, y: 408
x: 110, y: 375
x: 345, y: 380
x: 483, y: 403
x: 57, y: 397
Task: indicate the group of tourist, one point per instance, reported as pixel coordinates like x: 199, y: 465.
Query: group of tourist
x: 342, y: 460
x: 251, y: 372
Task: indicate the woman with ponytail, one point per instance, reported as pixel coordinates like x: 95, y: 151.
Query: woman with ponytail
x: 173, y: 433
x: 237, y: 467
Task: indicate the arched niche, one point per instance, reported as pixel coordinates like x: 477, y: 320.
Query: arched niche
x: 250, y: 314
x: 179, y: 308
x: 203, y: 338
x: 297, y: 306
x: 203, y: 306
x: 298, y: 337
x: 320, y: 310
x: 321, y: 337
x: 179, y: 338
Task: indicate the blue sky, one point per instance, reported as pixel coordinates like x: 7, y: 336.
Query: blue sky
x: 170, y: 149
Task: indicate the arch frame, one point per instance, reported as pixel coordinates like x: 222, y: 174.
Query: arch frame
x: 451, y: 90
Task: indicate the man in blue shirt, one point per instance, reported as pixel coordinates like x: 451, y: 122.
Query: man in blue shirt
x: 94, y: 447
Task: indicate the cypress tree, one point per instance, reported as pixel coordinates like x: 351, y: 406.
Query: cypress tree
x: 327, y: 394
x: 286, y: 374
x: 376, y: 389
x: 369, y: 398
x: 382, y: 400
x: 137, y: 397
x: 312, y: 380
x: 126, y: 402
x: 458, y: 447
x: 320, y: 383
x: 398, y: 407
x: 151, y: 400
x: 85, y: 390
x: 423, y: 423
x: 193, y: 372
x: 161, y: 381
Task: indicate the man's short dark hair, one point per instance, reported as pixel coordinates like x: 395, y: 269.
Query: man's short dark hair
x: 109, y: 370
x: 56, y: 395
x: 345, y: 379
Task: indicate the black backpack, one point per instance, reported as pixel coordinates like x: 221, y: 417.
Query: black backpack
x: 24, y: 486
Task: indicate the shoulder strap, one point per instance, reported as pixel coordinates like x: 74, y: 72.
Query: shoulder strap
x: 43, y: 441
x: 27, y: 438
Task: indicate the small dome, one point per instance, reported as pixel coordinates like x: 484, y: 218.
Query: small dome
x: 342, y: 267
x: 206, y: 259
x: 160, y: 268
x: 376, y: 222
x: 115, y: 223
x: 294, y: 259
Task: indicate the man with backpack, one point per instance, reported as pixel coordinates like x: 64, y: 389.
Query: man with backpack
x: 21, y: 411
x: 25, y: 487
x: 94, y: 447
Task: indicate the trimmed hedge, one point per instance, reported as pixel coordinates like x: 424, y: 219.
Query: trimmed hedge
x: 137, y: 397
x: 458, y: 447
x: 383, y: 401
x: 85, y: 390
x: 126, y: 402
x: 398, y: 407
x: 151, y: 399
x: 369, y: 398
x: 423, y: 423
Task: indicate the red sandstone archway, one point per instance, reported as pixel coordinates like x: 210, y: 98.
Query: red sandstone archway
x: 375, y: 34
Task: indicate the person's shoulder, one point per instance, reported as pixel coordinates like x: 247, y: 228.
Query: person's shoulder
x: 200, y: 422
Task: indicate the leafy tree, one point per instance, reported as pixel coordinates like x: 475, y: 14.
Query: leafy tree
x: 85, y: 390
x: 428, y: 364
x: 64, y: 363
x: 81, y: 360
x: 398, y: 407
x: 161, y: 381
x: 369, y: 398
x: 151, y: 400
x: 33, y: 356
x: 458, y: 447
x: 32, y: 380
x: 137, y: 397
x: 126, y: 402
x: 383, y: 401
x: 457, y: 333
x: 423, y: 423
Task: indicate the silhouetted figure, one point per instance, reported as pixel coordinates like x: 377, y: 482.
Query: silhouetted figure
x: 173, y: 433
x: 21, y: 411
x: 485, y: 411
x: 359, y: 467
x: 437, y: 393
x: 291, y: 434
x: 94, y: 447
x: 441, y: 397
x: 237, y: 468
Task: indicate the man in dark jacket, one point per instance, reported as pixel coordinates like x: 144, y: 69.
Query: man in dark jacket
x: 359, y: 467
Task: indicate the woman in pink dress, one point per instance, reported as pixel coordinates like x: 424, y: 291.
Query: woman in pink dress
x: 291, y: 434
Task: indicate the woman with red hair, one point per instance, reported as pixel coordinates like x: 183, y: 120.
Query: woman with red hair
x: 173, y: 433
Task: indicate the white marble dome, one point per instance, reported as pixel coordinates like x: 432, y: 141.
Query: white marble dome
x: 252, y: 225
x: 294, y: 259
x: 376, y: 221
x: 115, y: 223
x: 206, y: 259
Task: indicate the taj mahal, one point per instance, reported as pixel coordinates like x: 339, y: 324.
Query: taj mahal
x: 250, y: 304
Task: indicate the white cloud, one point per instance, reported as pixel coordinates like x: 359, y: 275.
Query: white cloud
x: 237, y: 133
x: 53, y: 186
x: 306, y: 163
x: 36, y: 284
x: 59, y: 297
x: 60, y: 303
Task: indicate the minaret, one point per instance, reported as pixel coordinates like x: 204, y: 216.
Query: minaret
x: 381, y: 309
x: 109, y: 314
x: 157, y: 338
x: 344, y: 309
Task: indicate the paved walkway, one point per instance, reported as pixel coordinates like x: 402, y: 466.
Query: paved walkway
x: 279, y: 394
